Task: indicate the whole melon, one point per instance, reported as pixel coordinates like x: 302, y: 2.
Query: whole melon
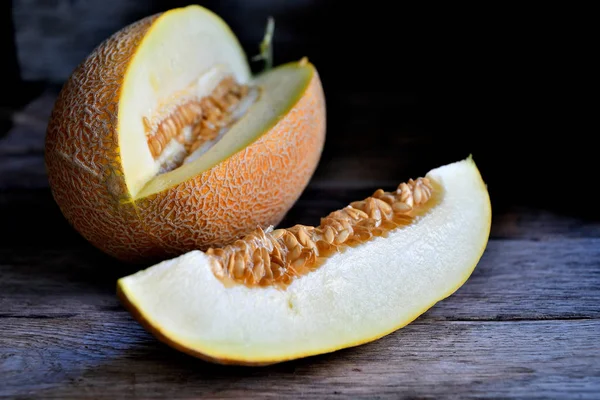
x: 163, y: 141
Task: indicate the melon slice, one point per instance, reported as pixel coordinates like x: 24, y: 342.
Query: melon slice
x: 366, y: 271
x: 162, y: 141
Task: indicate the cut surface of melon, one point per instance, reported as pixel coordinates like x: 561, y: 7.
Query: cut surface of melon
x: 183, y: 48
x: 355, y: 296
x: 182, y: 58
x: 278, y: 90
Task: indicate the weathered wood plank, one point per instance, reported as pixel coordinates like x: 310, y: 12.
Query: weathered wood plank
x: 68, y: 357
x: 515, y: 280
x: 542, y: 224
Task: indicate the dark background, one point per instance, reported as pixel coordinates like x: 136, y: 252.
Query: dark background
x: 427, y: 85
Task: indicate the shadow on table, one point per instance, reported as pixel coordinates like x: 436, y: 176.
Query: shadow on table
x: 147, y: 368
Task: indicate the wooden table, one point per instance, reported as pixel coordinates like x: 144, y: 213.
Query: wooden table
x: 526, y: 324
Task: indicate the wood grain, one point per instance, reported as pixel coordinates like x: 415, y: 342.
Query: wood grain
x: 525, y: 324
x: 75, y: 358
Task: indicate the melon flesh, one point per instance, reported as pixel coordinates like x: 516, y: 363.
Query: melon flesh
x: 354, y: 297
x: 279, y: 89
x: 185, y: 54
x: 182, y: 50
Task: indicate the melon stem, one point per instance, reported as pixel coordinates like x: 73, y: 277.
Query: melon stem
x: 266, y: 46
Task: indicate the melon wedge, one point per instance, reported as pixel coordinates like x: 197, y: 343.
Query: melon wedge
x: 366, y: 271
x: 162, y: 141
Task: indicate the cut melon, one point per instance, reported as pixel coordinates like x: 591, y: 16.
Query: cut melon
x: 366, y: 271
x: 162, y: 141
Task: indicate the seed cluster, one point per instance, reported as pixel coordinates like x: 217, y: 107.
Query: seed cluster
x: 205, y: 117
x: 277, y: 257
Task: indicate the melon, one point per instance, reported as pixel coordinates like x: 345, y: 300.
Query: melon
x: 162, y: 141
x: 367, y: 270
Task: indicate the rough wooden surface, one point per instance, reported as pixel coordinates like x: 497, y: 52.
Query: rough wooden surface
x: 525, y: 325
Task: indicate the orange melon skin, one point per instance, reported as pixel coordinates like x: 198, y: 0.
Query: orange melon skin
x: 254, y: 187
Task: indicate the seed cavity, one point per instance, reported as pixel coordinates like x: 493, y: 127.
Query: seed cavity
x: 196, y: 123
x: 277, y: 257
